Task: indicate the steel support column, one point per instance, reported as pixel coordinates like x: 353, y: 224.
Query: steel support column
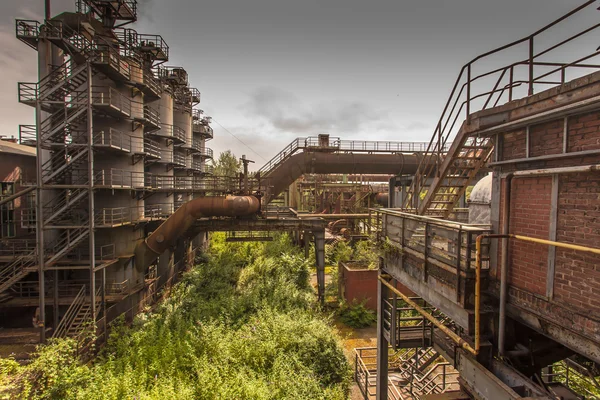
x: 320, y: 256
x: 90, y: 139
x: 382, y: 344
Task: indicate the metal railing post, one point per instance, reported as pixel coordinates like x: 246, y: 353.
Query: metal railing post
x: 531, y: 56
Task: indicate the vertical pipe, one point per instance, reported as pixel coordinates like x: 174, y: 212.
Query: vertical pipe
x: 477, y: 290
x: 47, y: 12
x: 504, y: 266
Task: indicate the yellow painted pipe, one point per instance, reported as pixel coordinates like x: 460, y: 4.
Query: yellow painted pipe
x: 457, y: 339
x: 517, y: 237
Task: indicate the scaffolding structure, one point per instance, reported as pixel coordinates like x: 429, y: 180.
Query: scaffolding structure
x: 120, y: 146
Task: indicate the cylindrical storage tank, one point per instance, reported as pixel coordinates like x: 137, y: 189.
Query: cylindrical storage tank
x: 137, y: 144
x: 184, y: 121
x: 480, y: 202
x: 137, y: 74
x: 137, y: 107
x: 165, y: 108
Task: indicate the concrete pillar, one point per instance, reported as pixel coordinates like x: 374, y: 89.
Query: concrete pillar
x: 320, y: 256
x: 382, y: 345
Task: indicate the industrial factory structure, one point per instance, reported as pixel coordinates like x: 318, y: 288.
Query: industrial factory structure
x: 109, y: 196
x: 120, y: 146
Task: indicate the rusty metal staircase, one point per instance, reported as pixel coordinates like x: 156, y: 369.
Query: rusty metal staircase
x: 79, y: 316
x: 442, y: 180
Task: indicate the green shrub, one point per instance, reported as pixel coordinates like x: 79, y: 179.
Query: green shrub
x: 243, y: 325
x: 356, y: 315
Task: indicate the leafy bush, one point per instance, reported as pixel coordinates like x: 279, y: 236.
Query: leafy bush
x: 356, y: 315
x: 242, y: 325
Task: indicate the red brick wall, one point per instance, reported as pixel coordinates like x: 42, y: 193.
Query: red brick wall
x: 584, y: 132
x: 529, y: 216
x: 577, y: 279
x: 546, y: 138
x: 360, y: 285
x: 514, y: 145
x: 577, y: 274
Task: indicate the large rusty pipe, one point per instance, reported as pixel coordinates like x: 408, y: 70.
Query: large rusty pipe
x: 177, y: 224
x: 382, y: 199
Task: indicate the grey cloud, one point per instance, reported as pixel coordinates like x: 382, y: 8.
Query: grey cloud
x: 287, y: 113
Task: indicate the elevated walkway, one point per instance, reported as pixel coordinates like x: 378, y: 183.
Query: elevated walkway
x: 325, y: 155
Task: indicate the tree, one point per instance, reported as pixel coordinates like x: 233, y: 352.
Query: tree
x: 227, y: 164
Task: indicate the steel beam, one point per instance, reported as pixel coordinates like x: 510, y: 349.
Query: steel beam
x: 319, y: 236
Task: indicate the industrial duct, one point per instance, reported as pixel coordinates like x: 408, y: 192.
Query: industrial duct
x: 181, y: 220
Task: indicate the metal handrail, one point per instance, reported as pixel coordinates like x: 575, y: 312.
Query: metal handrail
x: 338, y: 145
x: 462, y: 96
x: 70, y: 314
x: 113, y: 138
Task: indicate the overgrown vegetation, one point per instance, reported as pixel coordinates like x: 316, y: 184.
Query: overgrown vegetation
x: 244, y: 325
x: 356, y: 315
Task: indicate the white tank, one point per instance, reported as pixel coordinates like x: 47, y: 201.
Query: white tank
x: 480, y: 202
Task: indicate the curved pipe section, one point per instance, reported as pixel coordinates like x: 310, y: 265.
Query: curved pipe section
x: 181, y: 220
x: 382, y: 199
x: 337, y: 163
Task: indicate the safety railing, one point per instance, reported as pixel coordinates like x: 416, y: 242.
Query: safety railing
x: 197, y: 166
x: 171, y: 132
x: 109, y: 217
x: 27, y: 30
x: 12, y: 248
x: 178, y: 159
x: 71, y: 313
x: 107, y: 96
x: 159, y: 210
x: 110, y: 57
x: 122, y: 9
x: 153, y: 44
x: 118, y: 178
x: 28, y: 92
x: 492, y: 86
x: 575, y: 376
x: 206, y: 153
x: 112, y: 138
x: 151, y: 148
x: 207, y: 169
x: 449, y: 243
x: 196, y: 145
x: 152, y: 211
x: 152, y: 116
x: 184, y: 182
x: 195, y: 96
x: 174, y: 74
x: 28, y: 135
x: 334, y: 144
x: 159, y: 181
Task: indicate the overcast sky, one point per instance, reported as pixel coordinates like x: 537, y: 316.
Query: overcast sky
x: 272, y: 70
